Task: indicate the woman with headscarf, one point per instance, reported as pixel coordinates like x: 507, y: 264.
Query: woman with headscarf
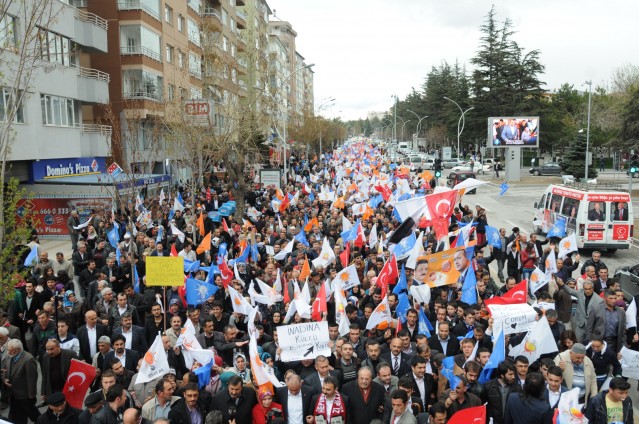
x: 240, y: 367
x: 266, y: 408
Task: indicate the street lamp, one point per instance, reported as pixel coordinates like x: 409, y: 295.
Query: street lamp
x: 406, y: 122
x: 461, y: 121
x: 419, y: 122
x: 319, y: 109
x: 589, y: 83
x: 395, y: 124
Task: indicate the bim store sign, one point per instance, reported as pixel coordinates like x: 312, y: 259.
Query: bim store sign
x: 64, y: 168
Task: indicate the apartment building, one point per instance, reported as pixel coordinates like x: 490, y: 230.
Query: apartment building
x: 46, y: 62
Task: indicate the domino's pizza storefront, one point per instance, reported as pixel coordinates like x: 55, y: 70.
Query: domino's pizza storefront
x: 58, y: 186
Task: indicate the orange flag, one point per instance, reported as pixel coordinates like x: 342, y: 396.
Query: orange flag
x: 368, y: 212
x: 311, y: 223
x: 306, y: 270
x: 339, y: 203
x: 200, y: 224
x: 205, y: 245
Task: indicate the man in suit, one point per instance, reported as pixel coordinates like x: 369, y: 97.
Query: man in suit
x: 113, y: 273
x: 365, y: 397
x: 31, y: 303
x: 89, y: 334
x: 608, y: 322
x: 122, y: 307
x: 14, y: 332
x: 467, y: 325
x: 55, y: 367
x: 295, y: 399
x: 595, y: 214
x: 192, y: 404
x: 554, y: 386
x: 80, y: 258
x: 587, y: 301
x: 89, y: 274
x: 386, y: 378
x: 422, y: 381
x: 621, y: 213
x: 21, y: 378
x: 401, y: 413
x: 135, y: 339
x: 442, y: 342
x: 127, y: 356
x: 316, y: 380
x: 398, y: 360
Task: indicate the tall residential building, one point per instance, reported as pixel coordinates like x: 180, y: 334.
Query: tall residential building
x: 278, y: 69
x: 45, y: 46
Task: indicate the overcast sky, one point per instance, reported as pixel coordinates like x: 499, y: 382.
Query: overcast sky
x: 367, y: 50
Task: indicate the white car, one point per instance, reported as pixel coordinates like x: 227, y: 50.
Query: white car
x: 478, y: 168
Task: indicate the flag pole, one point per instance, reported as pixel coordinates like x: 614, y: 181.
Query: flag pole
x: 164, y: 301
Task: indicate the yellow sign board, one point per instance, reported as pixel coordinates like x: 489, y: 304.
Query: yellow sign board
x: 165, y: 271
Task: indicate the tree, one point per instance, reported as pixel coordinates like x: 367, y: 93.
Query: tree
x: 630, y: 117
x: 575, y: 159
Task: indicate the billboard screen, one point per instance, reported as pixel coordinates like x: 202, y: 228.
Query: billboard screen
x: 508, y: 131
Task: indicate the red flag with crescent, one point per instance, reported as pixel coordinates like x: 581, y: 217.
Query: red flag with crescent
x: 79, y: 379
x: 441, y: 207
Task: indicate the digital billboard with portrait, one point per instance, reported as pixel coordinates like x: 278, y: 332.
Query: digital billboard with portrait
x: 510, y: 131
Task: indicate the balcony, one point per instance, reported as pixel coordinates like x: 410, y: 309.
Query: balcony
x: 91, y: 31
x: 243, y: 91
x: 143, y: 94
x: 241, y: 19
x: 93, y: 85
x: 95, y: 140
x: 240, y: 2
x: 242, y: 67
x: 140, y: 51
x: 139, y: 5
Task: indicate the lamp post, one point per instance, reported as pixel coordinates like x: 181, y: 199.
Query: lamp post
x: 319, y: 109
x: 395, y: 124
x: 405, y: 122
x: 461, y: 121
x: 418, y: 122
x: 589, y: 83
x: 286, y: 116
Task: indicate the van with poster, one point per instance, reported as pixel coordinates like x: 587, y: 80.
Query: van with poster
x: 600, y: 218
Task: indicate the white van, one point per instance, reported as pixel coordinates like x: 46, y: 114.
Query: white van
x: 601, y: 218
x: 402, y: 146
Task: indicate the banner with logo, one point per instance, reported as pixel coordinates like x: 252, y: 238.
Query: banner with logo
x: 444, y: 268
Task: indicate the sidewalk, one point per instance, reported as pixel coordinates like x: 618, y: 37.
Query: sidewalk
x: 57, y: 245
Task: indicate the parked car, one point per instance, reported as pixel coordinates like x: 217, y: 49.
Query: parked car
x: 477, y: 168
x: 450, y: 163
x: 550, y: 168
x: 628, y: 277
x: 457, y: 177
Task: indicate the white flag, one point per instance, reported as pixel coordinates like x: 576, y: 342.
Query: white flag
x: 567, y: 245
x: 305, y: 295
x: 536, y: 343
x: 551, y: 265
x: 298, y: 305
x: 268, y: 291
x: 83, y: 225
x: 262, y: 372
x: 162, y: 197
x: 631, y: 315
x: 382, y: 313
x: 416, y: 252
x: 340, y: 301
x: 282, y: 253
x: 372, y: 237
x: 569, y: 408
x: 359, y: 209
x: 325, y: 257
x: 344, y: 325
x: 537, y: 280
x: 177, y: 206
x: 240, y: 304
x: 346, y: 224
x: 203, y: 356
x: 176, y: 232
x: 154, y: 364
x: 187, y: 337
x: 347, y: 277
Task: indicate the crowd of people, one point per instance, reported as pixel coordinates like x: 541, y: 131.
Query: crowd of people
x: 96, y: 307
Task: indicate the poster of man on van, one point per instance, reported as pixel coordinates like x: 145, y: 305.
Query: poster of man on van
x: 514, y: 131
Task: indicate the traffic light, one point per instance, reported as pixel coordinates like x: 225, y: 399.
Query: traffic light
x: 438, y: 168
x: 634, y: 167
x: 438, y: 173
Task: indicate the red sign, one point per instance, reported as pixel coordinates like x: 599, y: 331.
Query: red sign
x: 620, y: 232
x: 595, y: 235
x: 51, y: 214
x: 595, y: 227
x: 568, y: 193
x: 197, y: 108
x: 608, y: 197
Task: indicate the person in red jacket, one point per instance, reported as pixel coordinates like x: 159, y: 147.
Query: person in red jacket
x: 265, y: 407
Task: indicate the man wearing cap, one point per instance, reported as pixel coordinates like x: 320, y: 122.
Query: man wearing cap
x: 58, y: 411
x: 93, y: 403
x: 578, y: 371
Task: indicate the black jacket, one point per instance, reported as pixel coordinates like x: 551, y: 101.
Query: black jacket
x: 522, y: 409
x: 596, y: 411
x: 452, y: 348
x: 366, y: 411
x: 106, y: 415
x: 307, y: 395
x: 492, y: 395
x: 222, y: 401
x: 83, y: 337
x: 69, y: 416
x: 179, y: 413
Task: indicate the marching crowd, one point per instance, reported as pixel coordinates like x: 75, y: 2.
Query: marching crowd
x: 431, y: 359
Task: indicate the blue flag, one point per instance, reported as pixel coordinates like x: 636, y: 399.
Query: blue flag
x: 136, y: 279
x: 469, y: 289
x: 397, y: 216
x: 198, y: 291
x: 404, y: 196
x: 118, y: 255
x: 204, y: 374
x: 158, y: 239
x: 210, y: 277
x: 254, y: 252
x: 245, y: 255
x: 221, y: 252
x: 558, y: 229
x: 493, y: 237
x: 179, y: 198
x: 468, y: 335
x: 32, y: 258
x: 374, y: 202
x: 301, y: 237
x: 402, y: 307
x: 191, y: 266
x: 403, y: 248
x: 311, y: 197
x: 402, y: 285
x: 503, y: 188
x: 171, y: 214
x: 350, y: 235
x: 449, y: 366
x: 114, y: 236
x: 498, y: 355
x: 423, y: 325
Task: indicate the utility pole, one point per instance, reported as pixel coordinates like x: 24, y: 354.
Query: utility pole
x: 589, y: 83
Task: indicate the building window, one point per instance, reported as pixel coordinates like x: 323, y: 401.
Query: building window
x: 225, y: 44
x: 139, y: 40
x: 194, y: 32
x: 169, y: 54
x: 233, y: 49
x: 8, y: 99
x: 195, y: 65
x: 234, y: 75
x: 140, y: 84
x: 196, y: 93
x: 8, y: 36
x: 184, y: 93
x: 171, y: 92
x: 180, y: 23
x: 54, y: 48
x: 181, y: 57
x: 58, y: 111
x: 168, y: 14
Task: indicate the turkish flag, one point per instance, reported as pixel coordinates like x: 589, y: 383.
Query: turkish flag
x: 79, y: 379
x: 385, y: 191
x: 475, y: 414
x: 225, y: 273
x: 174, y: 252
x: 319, y: 305
x: 360, y: 240
x: 513, y: 296
x: 441, y: 205
x: 388, y: 275
x: 345, y: 256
